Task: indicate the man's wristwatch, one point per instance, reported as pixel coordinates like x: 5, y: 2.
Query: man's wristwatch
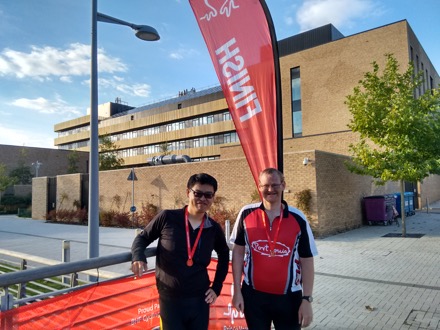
x: 308, y: 298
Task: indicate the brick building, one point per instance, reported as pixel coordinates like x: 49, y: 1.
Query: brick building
x: 52, y: 161
x: 319, y: 68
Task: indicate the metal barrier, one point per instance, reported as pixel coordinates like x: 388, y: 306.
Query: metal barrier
x: 24, y: 276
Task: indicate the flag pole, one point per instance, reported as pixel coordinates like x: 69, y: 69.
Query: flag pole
x: 279, y: 110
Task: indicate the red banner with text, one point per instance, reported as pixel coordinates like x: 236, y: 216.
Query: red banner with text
x: 239, y: 42
x: 127, y: 303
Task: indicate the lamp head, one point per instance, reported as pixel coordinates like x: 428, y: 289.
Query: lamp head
x: 146, y: 33
x: 305, y: 161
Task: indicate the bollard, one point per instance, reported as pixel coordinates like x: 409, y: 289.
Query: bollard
x: 65, y: 257
x: 21, y: 290
x: 227, y: 230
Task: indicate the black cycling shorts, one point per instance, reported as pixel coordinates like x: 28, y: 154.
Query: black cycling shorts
x: 261, y: 309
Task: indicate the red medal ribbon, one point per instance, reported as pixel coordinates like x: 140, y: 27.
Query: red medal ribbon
x: 191, y: 252
x: 275, y: 239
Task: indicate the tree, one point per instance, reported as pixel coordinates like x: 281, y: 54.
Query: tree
x: 22, y: 174
x: 399, y: 133
x: 5, y: 180
x: 73, y: 158
x: 164, y: 148
x: 108, y: 155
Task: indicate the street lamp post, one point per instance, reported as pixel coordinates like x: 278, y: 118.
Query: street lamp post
x: 37, y: 165
x: 143, y: 32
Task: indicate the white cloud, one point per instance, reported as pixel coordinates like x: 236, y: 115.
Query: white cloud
x: 340, y: 13
x: 19, y: 137
x: 45, y: 106
x: 182, y: 53
x: 119, y: 84
x: 66, y: 79
x: 45, y: 62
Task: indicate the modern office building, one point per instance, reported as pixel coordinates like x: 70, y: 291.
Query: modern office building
x: 319, y: 68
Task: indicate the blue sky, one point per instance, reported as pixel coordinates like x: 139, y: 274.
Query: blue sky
x: 45, y: 52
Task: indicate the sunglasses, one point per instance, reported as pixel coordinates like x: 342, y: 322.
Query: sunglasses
x: 200, y: 194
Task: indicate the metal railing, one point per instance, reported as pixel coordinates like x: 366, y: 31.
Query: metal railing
x: 55, y: 268
x: 22, y: 277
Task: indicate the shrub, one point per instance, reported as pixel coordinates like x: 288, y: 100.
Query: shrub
x: 148, y: 212
x: 68, y: 216
x: 11, y: 204
x: 106, y: 218
x: 220, y: 213
x: 122, y: 219
x: 303, y: 200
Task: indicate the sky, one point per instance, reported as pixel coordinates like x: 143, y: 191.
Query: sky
x: 45, y: 52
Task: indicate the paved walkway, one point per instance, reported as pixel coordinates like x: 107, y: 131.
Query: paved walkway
x: 363, y: 280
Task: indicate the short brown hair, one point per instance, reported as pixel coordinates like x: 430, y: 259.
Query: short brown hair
x: 271, y: 171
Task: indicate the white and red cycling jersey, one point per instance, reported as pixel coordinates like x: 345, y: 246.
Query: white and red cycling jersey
x: 273, y: 267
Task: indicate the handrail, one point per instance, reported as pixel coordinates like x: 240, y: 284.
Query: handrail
x: 28, y: 275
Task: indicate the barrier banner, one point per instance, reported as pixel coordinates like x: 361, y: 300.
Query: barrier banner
x: 127, y: 303
x: 239, y: 41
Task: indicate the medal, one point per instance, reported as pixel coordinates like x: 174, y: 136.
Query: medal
x: 192, y: 250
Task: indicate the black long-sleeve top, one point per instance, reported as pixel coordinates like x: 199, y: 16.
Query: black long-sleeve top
x: 173, y: 276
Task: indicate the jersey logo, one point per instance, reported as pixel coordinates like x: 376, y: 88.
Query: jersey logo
x: 262, y: 247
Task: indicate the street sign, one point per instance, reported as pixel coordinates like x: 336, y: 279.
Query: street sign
x: 132, y: 176
x: 133, y: 209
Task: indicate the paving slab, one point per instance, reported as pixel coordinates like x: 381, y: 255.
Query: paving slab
x: 368, y: 278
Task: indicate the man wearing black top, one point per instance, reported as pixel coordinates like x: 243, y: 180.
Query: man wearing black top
x: 187, y: 238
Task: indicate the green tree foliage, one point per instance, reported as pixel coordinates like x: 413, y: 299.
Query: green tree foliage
x: 22, y: 174
x: 108, y: 155
x: 73, y: 159
x: 5, y: 179
x: 164, y: 148
x: 399, y: 133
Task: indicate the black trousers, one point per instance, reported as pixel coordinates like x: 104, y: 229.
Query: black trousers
x: 184, y: 313
x: 261, y: 309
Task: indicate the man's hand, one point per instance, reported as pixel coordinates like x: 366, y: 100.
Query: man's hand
x: 305, y: 314
x: 210, y: 296
x: 237, y: 301
x: 138, y: 268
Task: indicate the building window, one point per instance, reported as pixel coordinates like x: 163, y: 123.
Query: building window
x: 296, y: 102
x: 419, y: 89
x: 226, y: 116
x: 426, y: 79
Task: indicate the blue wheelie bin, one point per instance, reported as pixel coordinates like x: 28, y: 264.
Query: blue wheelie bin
x: 409, y: 199
x: 409, y: 203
